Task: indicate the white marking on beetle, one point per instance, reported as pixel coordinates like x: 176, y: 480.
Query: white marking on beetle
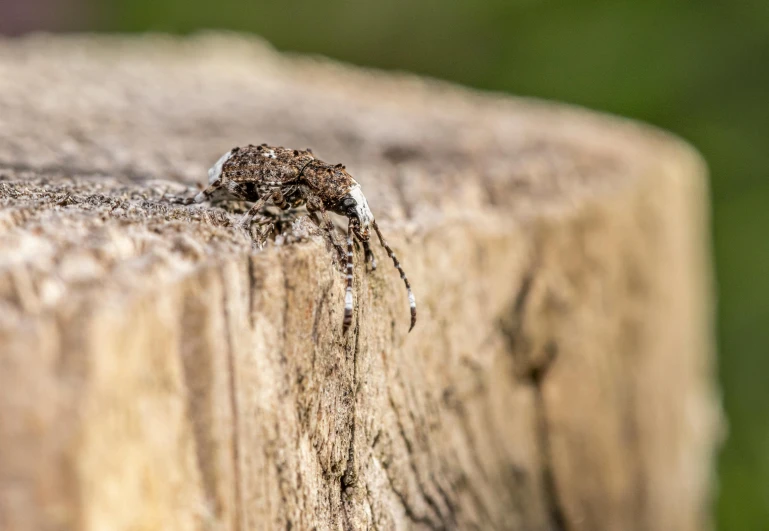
x: 216, y: 170
x: 412, y: 299
x: 362, y: 208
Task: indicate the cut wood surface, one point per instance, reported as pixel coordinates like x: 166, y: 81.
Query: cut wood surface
x: 159, y: 371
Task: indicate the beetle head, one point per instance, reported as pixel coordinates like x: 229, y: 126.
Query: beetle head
x: 354, y: 206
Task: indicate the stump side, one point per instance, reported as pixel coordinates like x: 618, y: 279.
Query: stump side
x: 158, y: 372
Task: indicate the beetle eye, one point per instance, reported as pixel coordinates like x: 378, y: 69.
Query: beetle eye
x: 348, y: 202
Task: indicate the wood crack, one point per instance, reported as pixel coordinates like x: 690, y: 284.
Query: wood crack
x: 410, y: 451
x: 234, y: 406
x: 552, y: 496
x: 350, y: 476
x: 410, y: 512
x: 533, y: 372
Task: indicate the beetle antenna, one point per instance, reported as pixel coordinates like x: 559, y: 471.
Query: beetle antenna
x: 397, y: 264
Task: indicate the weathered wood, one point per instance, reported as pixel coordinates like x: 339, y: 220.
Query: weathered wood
x: 157, y: 372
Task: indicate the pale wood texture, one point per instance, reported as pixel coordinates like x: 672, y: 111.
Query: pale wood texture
x: 158, y: 372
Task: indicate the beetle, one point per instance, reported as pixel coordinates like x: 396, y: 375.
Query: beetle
x: 289, y: 178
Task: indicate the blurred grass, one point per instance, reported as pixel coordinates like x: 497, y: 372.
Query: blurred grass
x: 698, y: 68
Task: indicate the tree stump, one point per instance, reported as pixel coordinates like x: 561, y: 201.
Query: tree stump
x: 159, y: 371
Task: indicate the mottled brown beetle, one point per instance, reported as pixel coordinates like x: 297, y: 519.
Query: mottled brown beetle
x: 289, y: 178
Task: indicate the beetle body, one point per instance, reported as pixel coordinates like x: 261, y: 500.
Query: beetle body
x: 289, y: 178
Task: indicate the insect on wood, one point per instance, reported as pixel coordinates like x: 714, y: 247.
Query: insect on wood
x: 289, y: 178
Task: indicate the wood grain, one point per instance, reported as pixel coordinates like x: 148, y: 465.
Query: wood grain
x: 159, y: 372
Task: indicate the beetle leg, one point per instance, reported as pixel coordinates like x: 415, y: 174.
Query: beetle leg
x: 314, y: 204
x: 245, y: 221
x: 206, y: 194
x: 369, y: 254
x: 279, y: 201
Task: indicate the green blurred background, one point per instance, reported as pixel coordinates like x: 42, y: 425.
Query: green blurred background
x: 697, y: 68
